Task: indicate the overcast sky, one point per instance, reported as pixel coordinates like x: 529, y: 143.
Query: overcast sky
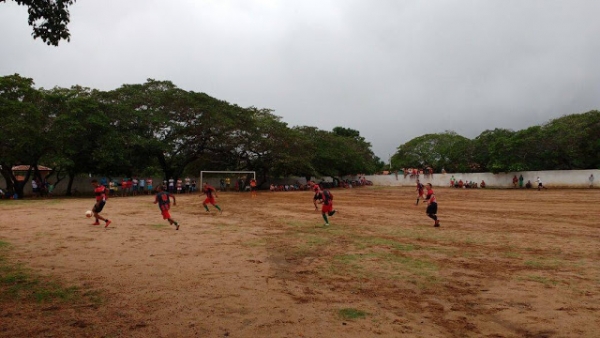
x: 393, y: 70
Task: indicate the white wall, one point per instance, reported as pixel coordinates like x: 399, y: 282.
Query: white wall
x: 550, y: 178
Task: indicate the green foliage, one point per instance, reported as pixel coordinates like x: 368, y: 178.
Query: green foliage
x: 446, y: 150
x: 569, y: 142
x: 49, y: 19
x: 141, y: 128
x: 351, y: 313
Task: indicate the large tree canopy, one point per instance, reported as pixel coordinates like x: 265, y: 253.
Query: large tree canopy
x: 49, y: 19
x: 158, y: 128
x: 569, y: 142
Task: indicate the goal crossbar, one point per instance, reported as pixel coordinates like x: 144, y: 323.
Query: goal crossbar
x: 224, y: 172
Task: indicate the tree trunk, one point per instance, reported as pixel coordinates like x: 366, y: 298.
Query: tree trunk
x: 70, y: 185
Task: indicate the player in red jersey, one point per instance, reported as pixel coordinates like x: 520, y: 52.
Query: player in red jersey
x: 211, y: 195
x: 164, y: 204
x: 326, y: 198
x: 100, y: 192
x: 432, y: 205
x: 420, y: 192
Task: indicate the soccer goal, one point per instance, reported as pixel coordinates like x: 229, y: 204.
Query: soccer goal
x: 229, y: 178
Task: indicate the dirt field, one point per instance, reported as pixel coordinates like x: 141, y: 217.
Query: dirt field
x: 504, y: 263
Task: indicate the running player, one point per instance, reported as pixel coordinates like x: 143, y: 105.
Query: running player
x: 326, y: 198
x: 432, y: 205
x: 164, y: 204
x: 420, y: 192
x: 100, y: 192
x: 253, y: 187
x: 211, y: 195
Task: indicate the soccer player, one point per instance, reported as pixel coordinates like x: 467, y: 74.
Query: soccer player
x: 100, y: 192
x: 164, y: 204
x: 253, y: 187
x: 431, y: 205
x: 211, y: 194
x: 326, y: 198
x: 420, y: 192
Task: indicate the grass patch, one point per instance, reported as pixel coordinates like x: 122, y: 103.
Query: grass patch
x: 18, y: 282
x: 297, y: 224
x: 255, y: 243
x: 542, y: 264
x: 158, y: 225
x: 511, y: 254
x: 543, y: 280
x: 363, y: 243
x: 351, y: 313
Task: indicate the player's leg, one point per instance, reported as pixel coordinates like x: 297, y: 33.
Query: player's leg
x: 431, y: 213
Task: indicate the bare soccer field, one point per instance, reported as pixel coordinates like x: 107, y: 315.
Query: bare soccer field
x: 505, y: 263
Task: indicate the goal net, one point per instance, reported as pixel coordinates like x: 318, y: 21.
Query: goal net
x: 227, y: 180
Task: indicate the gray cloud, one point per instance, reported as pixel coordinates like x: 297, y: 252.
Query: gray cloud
x: 393, y: 70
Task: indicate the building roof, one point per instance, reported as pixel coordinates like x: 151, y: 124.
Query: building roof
x: 26, y: 167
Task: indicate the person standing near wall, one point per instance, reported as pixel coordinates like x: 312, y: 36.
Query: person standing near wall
x: 591, y: 180
x: 521, y: 181
x: 515, y: 181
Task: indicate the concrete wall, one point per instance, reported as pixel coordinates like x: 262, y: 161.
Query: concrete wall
x: 550, y: 178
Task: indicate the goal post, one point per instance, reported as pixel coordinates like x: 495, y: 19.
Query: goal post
x: 225, y: 173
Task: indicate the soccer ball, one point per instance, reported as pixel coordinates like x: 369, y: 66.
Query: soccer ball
x: 88, y: 214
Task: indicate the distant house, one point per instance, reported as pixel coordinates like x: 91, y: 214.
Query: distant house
x: 21, y: 170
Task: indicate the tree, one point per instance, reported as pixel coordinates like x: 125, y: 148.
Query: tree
x: 446, y: 150
x: 24, y: 129
x: 49, y: 19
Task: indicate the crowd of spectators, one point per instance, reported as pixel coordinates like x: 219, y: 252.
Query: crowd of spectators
x: 459, y: 183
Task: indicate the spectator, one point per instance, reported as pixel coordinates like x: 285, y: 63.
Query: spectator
x: 188, y: 185
x: 149, y: 186
x: 171, y: 185
x: 528, y: 185
x: 515, y: 181
x: 591, y: 180
x: 179, y: 186
x: 521, y: 181
x: 482, y: 184
x: 134, y: 186
x: 35, y: 187
x: 142, y: 186
x: 540, y: 184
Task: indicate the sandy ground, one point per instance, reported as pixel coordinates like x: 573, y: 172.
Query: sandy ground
x: 504, y: 263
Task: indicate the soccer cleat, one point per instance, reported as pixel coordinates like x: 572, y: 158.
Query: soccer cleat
x: 437, y: 223
x: 326, y: 224
x: 107, y: 223
x: 96, y: 223
x: 176, y: 226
